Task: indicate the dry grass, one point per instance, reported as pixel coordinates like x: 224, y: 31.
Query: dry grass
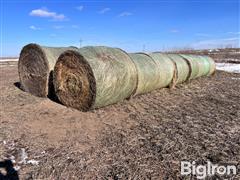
x: 145, y: 137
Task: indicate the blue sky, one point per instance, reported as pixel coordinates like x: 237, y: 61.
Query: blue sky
x: 130, y: 25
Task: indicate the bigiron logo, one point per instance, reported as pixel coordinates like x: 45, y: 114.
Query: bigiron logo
x: 207, y: 170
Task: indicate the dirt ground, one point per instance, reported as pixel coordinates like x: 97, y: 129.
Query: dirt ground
x: 145, y: 137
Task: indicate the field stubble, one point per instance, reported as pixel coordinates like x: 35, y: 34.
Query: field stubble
x: 144, y: 137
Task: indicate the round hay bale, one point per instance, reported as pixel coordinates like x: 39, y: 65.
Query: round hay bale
x: 147, y: 72
x: 166, y: 69
x: 182, y: 68
x: 212, y: 65
x: 93, y: 77
x: 204, y: 65
x: 34, y: 67
x: 193, y: 65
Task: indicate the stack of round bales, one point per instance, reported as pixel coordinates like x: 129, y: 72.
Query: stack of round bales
x: 199, y: 65
x: 93, y: 77
x: 34, y: 67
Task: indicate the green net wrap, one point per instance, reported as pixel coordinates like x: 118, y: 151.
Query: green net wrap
x: 166, y: 69
x: 34, y: 67
x: 182, y: 68
x: 147, y: 72
x: 200, y: 65
x: 204, y: 65
x: 193, y: 66
x: 93, y: 77
x: 212, y: 65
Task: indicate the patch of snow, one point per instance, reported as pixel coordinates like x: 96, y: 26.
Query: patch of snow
x: 33, y: 162
x: 236, y: 52
x: 7, y: 65
x: 229, y: 67
x: 12, y: 157
x: 43, y: 152
x: 24, y: 156
x: 7, y: 60
x: 235, y: 78
x: 17, y: 168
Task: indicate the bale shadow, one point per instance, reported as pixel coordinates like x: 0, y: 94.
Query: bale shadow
x: 11, y: 173
x: 51, y: 92
x: 18, y: 85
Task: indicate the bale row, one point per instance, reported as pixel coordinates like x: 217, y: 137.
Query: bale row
x: 93, y: 77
